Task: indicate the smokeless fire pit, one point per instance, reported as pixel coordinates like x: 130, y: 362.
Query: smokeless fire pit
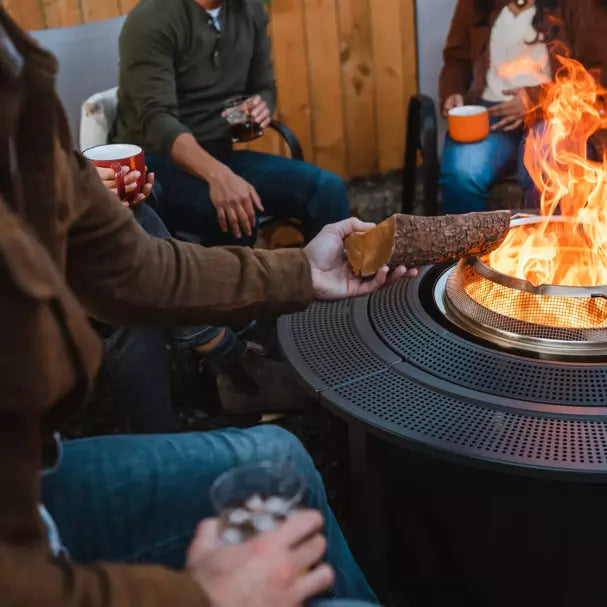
x: 469, y: 367
x: 490, y: 375
x: 517, y: 382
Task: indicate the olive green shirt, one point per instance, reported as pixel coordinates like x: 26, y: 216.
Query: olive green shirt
x: 177, y: 70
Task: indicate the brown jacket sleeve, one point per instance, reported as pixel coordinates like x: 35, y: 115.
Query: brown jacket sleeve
x: 47, y: 351
x: 559, y: 45
x: 456, y: 74
x: 124, y: 276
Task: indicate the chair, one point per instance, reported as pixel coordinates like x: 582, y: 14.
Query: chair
x: 422, y: 166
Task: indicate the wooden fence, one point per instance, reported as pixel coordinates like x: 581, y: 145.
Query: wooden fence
x: 345, y: 70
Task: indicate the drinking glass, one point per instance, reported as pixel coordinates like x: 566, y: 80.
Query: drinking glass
x: 255, y: 498
x: 237, y: 114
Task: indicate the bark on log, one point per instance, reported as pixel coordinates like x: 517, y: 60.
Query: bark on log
x: 415, y: 241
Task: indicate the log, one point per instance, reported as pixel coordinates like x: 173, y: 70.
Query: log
x: 415, y: 241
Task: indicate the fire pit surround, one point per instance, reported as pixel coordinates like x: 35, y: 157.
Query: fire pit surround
x: 500, y: 360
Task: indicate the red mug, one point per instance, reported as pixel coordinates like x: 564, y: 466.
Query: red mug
x: 115, y: 156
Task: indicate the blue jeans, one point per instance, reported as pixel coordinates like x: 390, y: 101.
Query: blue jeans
x: 138, y: 499
x: 468, y: 170
x: 137, y: 361
x: 287, y: 188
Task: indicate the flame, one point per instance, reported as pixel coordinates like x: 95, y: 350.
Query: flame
x: 572, y: 251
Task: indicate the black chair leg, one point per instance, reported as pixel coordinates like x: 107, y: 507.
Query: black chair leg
x: 421, y: 145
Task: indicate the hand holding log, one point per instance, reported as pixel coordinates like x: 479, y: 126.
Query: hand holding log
x: 414, y: 241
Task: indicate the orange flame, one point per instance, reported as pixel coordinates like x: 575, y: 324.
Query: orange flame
x: 572, y: 252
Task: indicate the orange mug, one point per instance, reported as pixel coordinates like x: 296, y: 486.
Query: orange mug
x: 468, y: 123
x: 115, y: 156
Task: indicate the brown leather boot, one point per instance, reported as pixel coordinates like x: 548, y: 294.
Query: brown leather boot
x: 259, y: 384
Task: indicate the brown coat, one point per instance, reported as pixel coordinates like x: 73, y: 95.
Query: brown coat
x: 466, y: 54
x: 586, y: 25
x: 69, y: 249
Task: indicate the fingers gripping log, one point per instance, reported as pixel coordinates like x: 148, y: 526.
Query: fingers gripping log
x: 414, y: 241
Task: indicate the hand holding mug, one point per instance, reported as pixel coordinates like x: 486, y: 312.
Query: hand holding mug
x: 118, y: 157
x: 131, y: 183
x: 451, y: 102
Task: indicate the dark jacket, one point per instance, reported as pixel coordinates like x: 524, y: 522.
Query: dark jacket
x: 466, y: 53
x: 68, y: 249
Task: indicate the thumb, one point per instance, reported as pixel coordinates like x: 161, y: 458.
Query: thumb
x: 349, y: 226
x: 206, y: 539
x: 511, y: 92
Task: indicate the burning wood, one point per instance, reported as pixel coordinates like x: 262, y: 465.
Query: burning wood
x: 415, y: 241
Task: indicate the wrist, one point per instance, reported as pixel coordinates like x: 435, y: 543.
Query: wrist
x: 213, y: 170
x: 314, y: 272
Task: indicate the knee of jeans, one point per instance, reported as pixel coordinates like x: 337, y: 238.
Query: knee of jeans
x: 464, y: 176
x: 332, y: 190
x: 285, y: 445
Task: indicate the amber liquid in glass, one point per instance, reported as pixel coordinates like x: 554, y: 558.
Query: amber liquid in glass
x: 245, y: 131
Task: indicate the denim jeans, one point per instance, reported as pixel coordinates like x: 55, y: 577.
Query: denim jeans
x: 468, y: 170
x: 287, y: 188
x: 137, y: 361
x: 137, y: 499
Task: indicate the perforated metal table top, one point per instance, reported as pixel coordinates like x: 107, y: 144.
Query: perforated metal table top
x: 386, y: 361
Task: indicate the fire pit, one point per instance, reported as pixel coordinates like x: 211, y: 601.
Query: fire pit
x: 422, y: 371
x: 498, y: 363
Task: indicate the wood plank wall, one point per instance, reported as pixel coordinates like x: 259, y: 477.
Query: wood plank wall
x: 345, y: 71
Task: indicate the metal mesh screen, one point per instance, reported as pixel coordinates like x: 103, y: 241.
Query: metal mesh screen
x: 509, y: 310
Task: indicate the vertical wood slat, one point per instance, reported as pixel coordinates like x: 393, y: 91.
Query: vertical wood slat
x: 390, y: 88
x: 320, y: 22
x: 358, y: 81
x: 27, y: 13
x: 96, y: 10
x: 291, y: 70
x: 61, y: 13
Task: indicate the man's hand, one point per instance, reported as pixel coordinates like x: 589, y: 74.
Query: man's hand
x: 235, y: 201
x: 276, y: 569
x: 130, y: 183
x: 259, y: 111
x: 332, y: 276
x: 451, y: 102
x: 512, y: 112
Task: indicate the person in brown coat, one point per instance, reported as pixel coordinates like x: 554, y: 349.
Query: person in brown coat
x: 498, y: 54
x: 110, y: 521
